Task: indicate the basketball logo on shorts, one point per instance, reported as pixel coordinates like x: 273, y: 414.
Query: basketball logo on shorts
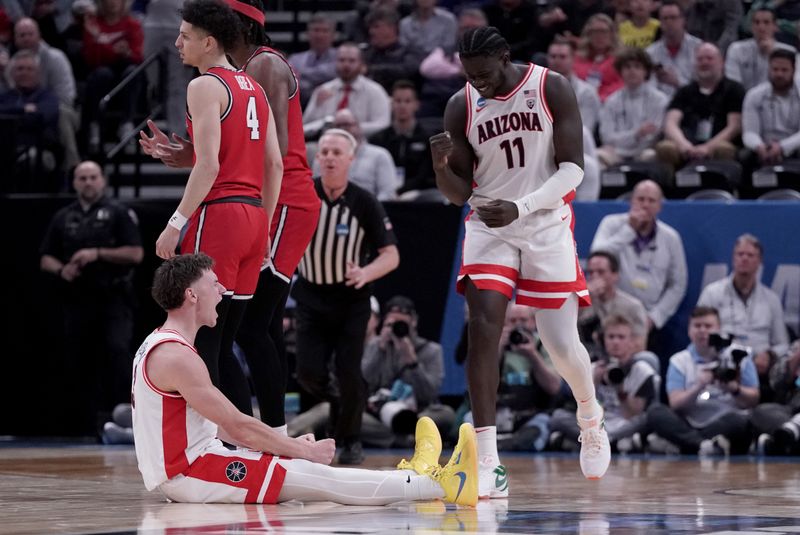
x: 236, y: 471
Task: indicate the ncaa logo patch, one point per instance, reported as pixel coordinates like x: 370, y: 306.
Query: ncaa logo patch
x: 236, y: 471
x: 480, y: 103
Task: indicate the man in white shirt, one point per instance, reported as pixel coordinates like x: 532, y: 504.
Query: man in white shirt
x: 368, y: 101
x: 771, y: 114
x: 748, y: 310
x: 559, y: 59
x: 747, y: 61
x: 673, y: 54
x: 632, y: 117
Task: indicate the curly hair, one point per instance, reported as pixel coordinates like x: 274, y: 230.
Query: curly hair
x: 214, y: 17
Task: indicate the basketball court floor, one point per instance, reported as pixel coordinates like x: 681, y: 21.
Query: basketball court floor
x: 97, y: 489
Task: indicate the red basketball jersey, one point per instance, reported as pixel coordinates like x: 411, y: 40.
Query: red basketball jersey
x: 243, y: 136
x: 297, y: 189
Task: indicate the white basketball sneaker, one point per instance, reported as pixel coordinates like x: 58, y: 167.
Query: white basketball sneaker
x: 595, y: 448
x: 492, y: 479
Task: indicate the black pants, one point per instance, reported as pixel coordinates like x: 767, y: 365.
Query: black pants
x: 215, y: 345
x: 334, y: 332
x: 768, y: 417
x: 260, y: 337
x: 98, y: 330
x: 669, y: 425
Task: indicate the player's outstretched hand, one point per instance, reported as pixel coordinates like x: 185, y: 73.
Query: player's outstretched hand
x: 149, y: 143
x: 441, y: 148
x: 321, y: 451
x: 176, y: 154
x: 498, y: 213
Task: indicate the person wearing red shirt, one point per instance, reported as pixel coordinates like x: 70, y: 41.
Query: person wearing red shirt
x: 112, y: 48
x: 233, y: 187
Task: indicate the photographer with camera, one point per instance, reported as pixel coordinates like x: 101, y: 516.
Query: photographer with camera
x: 404, y: 372
x: 711, y: 385
x: 626, y: 381
x: 777, y: 423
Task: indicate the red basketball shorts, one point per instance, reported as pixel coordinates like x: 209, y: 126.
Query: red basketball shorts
x: 290, y: 233
x: 234, y: 234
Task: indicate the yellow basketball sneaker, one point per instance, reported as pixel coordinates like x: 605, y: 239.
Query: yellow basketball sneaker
x: 427, y: 450
x: 459, y: 477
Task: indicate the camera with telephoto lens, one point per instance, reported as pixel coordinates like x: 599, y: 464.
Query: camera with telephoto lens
x: 401, y: 328
x: 517, y: 337
x: 730, y: 357
x: 614, y: 374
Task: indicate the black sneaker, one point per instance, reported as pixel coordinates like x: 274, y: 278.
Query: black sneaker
x: 352, y: 453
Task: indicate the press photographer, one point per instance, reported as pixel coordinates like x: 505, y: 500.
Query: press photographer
x: 711, y: 385
x: 403, y: 372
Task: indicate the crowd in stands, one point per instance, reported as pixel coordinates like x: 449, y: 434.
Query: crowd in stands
x: 661, y: 85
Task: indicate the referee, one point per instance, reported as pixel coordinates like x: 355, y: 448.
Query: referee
x: 353, y: 245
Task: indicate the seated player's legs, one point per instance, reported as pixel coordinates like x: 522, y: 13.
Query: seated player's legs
x: 225, y: 476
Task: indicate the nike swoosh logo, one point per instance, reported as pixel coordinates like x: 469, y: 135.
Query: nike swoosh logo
x: 463, y: 478
x: 565, y: 217
x: 478, y: 110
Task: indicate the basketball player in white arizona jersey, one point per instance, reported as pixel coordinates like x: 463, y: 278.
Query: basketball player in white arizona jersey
x: 179, y: 418
x: 513, y: 149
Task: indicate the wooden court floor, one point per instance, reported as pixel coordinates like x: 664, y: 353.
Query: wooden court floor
x: 97, y: 489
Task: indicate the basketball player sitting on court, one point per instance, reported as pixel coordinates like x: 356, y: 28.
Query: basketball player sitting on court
x: 179, y: 418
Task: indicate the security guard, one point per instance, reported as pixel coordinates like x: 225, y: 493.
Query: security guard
x: 92, y: 246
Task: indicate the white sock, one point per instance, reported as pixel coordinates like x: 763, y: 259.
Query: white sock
x: 283, y: 430
x: 588, y: 408
x: 487, y: 444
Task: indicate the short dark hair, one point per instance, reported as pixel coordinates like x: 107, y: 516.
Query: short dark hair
x: 175, y: 275
x: 700, y: 311
x: 402, y: 304
x: 628, y: 55
x: 782, y: 53
x: 214, y: 17
x: 484, y: 41
x: 613, y: 261
x: 673, y: 3
x: 404, y: 84
x: 383, y: 14
x: 767, y: 9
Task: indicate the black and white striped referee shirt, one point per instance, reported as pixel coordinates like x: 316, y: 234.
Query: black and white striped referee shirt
x: 351, y: 229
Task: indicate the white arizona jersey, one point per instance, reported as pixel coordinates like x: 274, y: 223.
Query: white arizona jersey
x: 512, y: 137
x: 168, y: 434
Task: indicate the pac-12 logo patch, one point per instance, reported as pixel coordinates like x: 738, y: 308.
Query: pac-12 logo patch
x: 530, y: 98
x: 236, y: 471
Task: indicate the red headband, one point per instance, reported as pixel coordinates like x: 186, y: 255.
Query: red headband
x: 247, y: 10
